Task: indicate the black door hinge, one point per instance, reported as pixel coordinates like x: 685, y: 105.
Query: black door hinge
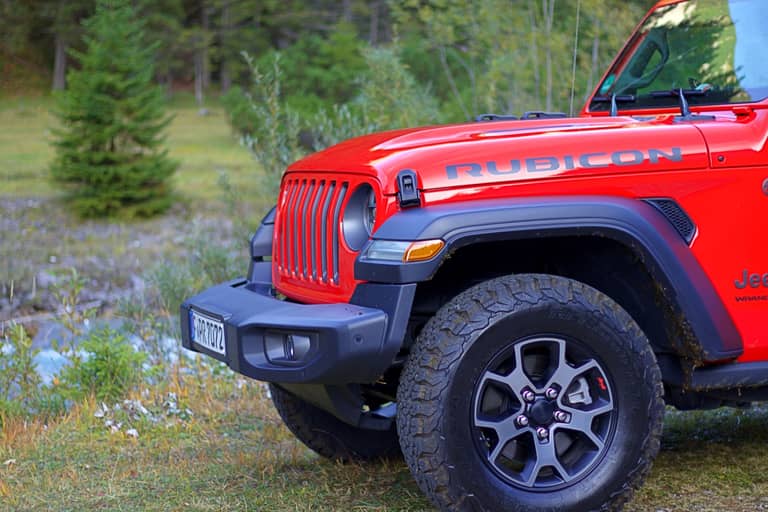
x: 407, y: 189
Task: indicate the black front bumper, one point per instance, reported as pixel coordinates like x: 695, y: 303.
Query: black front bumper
x: 350, y: 343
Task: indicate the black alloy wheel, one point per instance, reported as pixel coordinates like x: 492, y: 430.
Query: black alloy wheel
x: 544, y: 412
x: 530, y: 393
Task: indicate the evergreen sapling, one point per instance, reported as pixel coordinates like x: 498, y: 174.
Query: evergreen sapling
x: 110, y: 154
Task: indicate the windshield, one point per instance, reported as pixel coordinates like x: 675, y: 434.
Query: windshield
x: 712, y: 49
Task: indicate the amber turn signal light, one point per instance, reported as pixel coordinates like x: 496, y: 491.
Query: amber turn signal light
x: 423, y: 250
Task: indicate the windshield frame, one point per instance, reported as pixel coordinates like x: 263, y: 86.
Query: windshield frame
x: 623, y: 58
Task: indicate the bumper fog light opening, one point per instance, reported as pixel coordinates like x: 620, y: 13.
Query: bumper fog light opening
x: 285, y: 348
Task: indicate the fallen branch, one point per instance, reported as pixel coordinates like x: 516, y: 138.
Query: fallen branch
x: 94, y: 304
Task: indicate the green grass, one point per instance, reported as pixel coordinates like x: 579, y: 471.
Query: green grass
x: 234, y: 454
x: 710, y: 461
x: 203, y: 145
x: 24, y: 147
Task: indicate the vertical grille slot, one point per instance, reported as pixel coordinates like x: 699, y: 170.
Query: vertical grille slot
x: 310, y: 216
x: 307, y: 216
x: 313, y: 230
x: 324, y: 231
x: 280, y: 256
x: 295, y: 229
x: 335, y: 233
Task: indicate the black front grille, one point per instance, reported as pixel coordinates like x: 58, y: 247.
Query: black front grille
x: 676, y: 216
x: 309, y: 230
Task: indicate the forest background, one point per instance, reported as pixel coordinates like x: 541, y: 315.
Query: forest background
x: 490, y: 56
x: 100, y: 408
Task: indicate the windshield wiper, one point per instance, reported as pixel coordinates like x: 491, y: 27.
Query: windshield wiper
x: 495, y: 117
x: 685, y: 109
x: 531, y: 114
x: 615, y: 99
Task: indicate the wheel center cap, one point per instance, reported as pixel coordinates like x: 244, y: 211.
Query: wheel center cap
x: 541, y: 411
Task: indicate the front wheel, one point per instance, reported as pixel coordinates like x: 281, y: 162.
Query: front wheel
x: 532, y: 393
x: 329, y: 436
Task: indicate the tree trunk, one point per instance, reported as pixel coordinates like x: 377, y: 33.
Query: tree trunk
x: 204, y: 53
x: 373, y: 35
x: 534, y: 47
x: 549, y: 18
x: 60, y: 64
x: 595, y: 57
x: 386, y: 34
x: 226, y: 28
x: 346, y: 10
x: 451, y: 81
x: 199, y: 80
x: 226, y: 77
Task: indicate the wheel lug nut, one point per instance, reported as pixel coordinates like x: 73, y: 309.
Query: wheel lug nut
x: 561, y: 416
x: 528, y: 395
x: 522, y: 421
x: 542, y: 433
x: 551, y: 393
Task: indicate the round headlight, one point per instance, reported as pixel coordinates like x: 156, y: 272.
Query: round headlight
x: 359, y: 217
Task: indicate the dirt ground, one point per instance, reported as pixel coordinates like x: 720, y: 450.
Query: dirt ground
x: 40, y: 243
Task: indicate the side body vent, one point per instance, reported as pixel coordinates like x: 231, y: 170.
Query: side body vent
x: 676, y: 216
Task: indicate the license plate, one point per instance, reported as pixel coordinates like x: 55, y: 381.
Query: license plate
x: 207, y: 332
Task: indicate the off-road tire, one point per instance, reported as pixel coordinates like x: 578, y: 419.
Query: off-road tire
x: 330, y: 437
x: 435, y: 422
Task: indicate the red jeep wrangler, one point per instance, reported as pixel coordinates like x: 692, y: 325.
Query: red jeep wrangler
x: 511, y: 302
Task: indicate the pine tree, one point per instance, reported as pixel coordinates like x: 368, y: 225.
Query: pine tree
x: 110, y: 154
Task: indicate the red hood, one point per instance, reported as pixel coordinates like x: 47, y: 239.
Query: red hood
x: 509, y: 151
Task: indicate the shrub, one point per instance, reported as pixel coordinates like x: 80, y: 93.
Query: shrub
x: 18, y: 374
x: 207, y: 264
x: 174, y: 283
x: 391, y: 96
x: 66, y: 293
x: 342, y: 122
x: 140, y: 318
x: 21, y: 391
x: 107, y: 368
x: 322, y: 70
x: 242, y: 118
x: 245, y: 216
x: 274, y: 139
x: 110, y: 154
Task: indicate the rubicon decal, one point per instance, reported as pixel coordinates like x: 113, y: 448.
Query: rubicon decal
x: 592, y: 160
x: 751, y: 280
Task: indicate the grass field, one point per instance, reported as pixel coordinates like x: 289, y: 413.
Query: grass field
x: 233, y: 453
x: 38, y: 234
x: 203, y: 145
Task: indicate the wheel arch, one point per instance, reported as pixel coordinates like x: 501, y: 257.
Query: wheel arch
x: 627, y: 235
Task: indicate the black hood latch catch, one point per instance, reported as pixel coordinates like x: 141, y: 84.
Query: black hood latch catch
x: 408, y: 195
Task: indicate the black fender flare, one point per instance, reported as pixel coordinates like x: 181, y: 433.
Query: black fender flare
x: 631, y: 222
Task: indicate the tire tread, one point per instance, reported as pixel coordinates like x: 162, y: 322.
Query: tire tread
x: 446, y: 338
x: 330, y: 437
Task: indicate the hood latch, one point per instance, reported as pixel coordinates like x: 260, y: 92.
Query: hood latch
x: 407, y: 189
